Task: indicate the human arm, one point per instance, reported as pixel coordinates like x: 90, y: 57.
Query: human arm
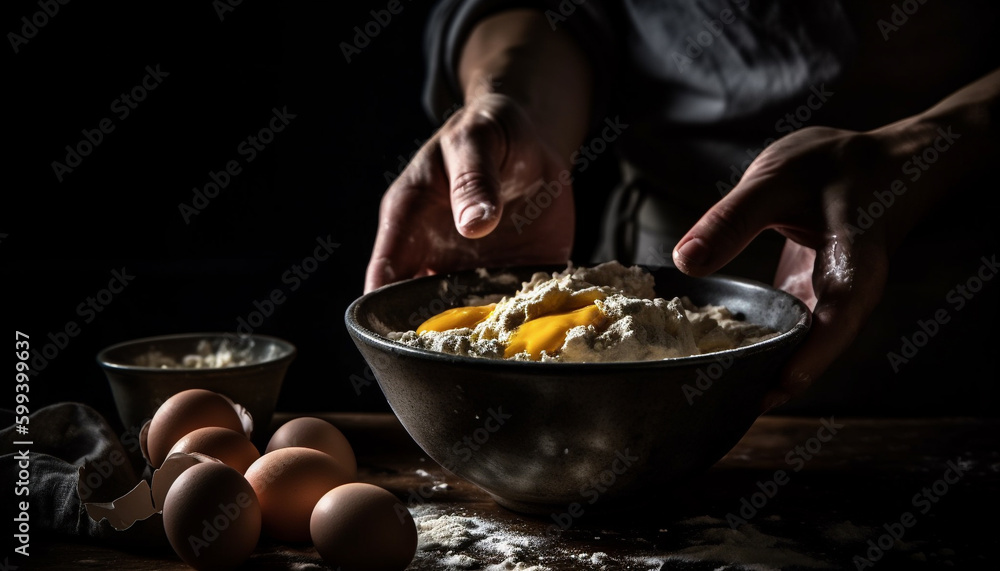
x: 810, y: 185
x: 527, y: 92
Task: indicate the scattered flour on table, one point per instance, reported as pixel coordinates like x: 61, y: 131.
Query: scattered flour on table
x: 598, y: 558
x: 463, y: 542
x: 450, y: 541
x: 648, y: 563
x: 436, y: 485
x: 458, y: 561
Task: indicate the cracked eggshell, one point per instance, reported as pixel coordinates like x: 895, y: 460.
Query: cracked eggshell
x: 145, y: 500
x: 186, y: 412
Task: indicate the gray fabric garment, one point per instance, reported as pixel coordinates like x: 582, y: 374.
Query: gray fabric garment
x: 452, y: 20
x: 706, y: 85
x: 699, y: 80
x: 642, y: 52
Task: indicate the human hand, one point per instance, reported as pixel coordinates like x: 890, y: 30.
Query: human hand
x: 808, y: 186
x: 463, y: 201
x: 814, y: 186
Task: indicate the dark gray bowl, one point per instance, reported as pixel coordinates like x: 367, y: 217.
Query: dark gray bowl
x: 540, y: 437
x: 138, y: 391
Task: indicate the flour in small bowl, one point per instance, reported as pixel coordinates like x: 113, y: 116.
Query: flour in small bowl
x: 205, y: 356
x: 629, y: 323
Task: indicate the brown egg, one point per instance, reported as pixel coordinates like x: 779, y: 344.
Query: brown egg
x: 318, y: 434
x: 211, y: 517
x: 361, y: 527
x: 288, y: 483
x: 186, y: 412
x: 233, y: 448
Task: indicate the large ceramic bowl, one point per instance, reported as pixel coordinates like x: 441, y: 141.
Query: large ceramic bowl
x: 139, y: 389
x: 540, y: 437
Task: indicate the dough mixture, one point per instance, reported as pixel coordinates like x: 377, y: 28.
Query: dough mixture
x: 608, y: 312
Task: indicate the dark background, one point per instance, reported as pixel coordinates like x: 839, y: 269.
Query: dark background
x: 322, y: 176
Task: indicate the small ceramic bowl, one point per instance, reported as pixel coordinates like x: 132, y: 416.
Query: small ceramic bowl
x: 139, y: 386
x: 542, y: 436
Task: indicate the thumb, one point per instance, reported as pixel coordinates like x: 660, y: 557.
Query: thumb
x: 723, y: 232
x: 471, y: 155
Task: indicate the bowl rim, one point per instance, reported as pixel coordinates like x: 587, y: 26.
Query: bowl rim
x: 290, y: 352
x: 793, y: 336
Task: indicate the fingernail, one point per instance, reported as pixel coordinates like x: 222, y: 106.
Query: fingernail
x: 474, y: 213
x: 692, y: 253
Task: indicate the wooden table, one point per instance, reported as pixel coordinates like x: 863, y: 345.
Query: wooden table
x: 806, y: 503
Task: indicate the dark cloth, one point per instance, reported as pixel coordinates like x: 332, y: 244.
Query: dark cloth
x: 64, y: 437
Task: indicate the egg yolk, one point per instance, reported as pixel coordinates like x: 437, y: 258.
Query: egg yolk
x: 457, y: 318
x: 547, y: 332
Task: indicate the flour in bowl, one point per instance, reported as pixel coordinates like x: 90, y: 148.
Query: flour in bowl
x: 206, y: 356
x: 608, y: 312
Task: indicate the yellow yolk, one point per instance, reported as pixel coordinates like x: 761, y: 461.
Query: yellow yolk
x: 580, y: 299
x: 457, y: 318
x: 548, y: 332
x: 560, y: 312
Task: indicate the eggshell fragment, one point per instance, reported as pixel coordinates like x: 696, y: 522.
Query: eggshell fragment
x: 232, y: 448
x: 362, y: 527
x: 318, y: 434
x: 288, y: 483
x: 212, y: 517
x: 144, y: 500
x: 185, y: 412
